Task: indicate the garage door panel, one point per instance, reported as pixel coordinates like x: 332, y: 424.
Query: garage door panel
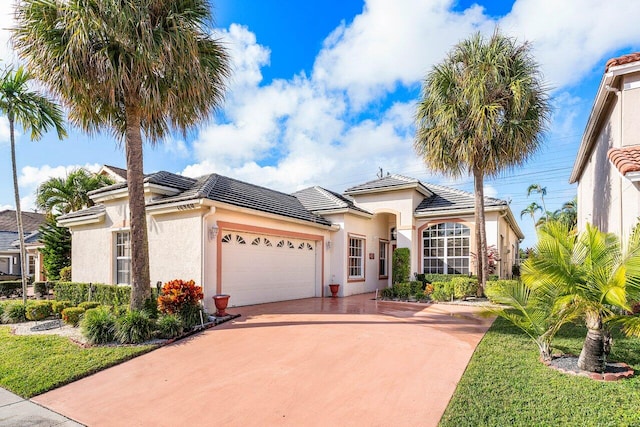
x: 258, y: 269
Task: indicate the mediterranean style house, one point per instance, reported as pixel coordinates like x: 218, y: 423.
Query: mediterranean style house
x: 259, y: 245
x: 10, y: 244
x: 607, y: 166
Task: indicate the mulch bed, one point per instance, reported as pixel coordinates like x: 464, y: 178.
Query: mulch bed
x: 568, y: 364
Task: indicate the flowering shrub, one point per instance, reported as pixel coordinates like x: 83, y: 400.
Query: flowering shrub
x: 428, y: 290
x: 178, y: 294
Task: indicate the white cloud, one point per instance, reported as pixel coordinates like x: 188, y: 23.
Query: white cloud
x: 392, y: 43
x: 31, y: 177
x: 4, y: 130
x: 6, y: 207
x: 6, y: 22
x: 175, y: 147
x: 571, y: 36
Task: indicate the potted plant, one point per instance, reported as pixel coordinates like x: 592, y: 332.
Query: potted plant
x: 221, y: 301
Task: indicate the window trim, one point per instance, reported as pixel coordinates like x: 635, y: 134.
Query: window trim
x: 363, y: 239
x: 116, y: 258
x: 386, y: 258
x: 445, y: 258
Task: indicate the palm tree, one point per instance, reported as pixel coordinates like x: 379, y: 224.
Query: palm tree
x: 537, y: 188
x: 133, y: 68
x: 593, y: 274
x: 36, y: 114
x: 64, y: 195
x: 538, y: 314
x: 483, y: 110
x: 60, y: 196
x: 531, y: 210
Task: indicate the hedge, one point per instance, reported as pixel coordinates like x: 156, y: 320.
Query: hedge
x: 77, y: 293
x: 10, y: 288
x: 104, y: 294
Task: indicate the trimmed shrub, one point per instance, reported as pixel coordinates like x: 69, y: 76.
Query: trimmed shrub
x: 87, y: 305
x: 169, y: 326
x: 103, y: 294
x: 401, y: 265
x: 65, y: 274
x: 10, y: 288
x: 464, y: 286
x: 38, y: 310
x: 387, y: 293
x: 72, y: 315
x: 442, y: 291
x: 58, y: 306
x: 14, y: 313
x: 133, y: 327
x: 151, y: 307
x: 190, y: 315
x: 98, y: 325
x: 494, y: 288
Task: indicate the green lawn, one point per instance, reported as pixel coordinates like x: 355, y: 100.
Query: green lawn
x: 506, y: 385
x: 33, y: 364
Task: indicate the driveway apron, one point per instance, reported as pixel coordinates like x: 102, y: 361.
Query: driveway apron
x: 315, y: 362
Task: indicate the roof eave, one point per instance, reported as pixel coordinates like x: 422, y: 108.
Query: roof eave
x: 408, y: 186
x: 120, y: 193
x: 82, y: 220
x: 342, y: 211
x: 228, y: 206
x: 179, y: 206
x: 603, y: 94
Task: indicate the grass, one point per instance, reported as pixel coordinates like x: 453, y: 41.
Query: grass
x: 506, y: 385
x: 33, y: 364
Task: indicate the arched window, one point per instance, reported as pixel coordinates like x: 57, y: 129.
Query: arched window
x: 446, y: 249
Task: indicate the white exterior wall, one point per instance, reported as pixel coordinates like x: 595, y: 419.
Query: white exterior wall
x: 605, y: 198
x: 175, y: 246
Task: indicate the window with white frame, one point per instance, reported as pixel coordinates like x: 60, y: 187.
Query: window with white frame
x: 446, y: 249
x: 356, y: 257
x: 123, y: 258
x: 32, y: 265
x: 383, y: 265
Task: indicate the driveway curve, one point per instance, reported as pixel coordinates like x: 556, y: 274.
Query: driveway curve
x: 315, y: 362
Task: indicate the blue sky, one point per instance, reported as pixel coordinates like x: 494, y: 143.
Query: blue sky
x: 324, y: 93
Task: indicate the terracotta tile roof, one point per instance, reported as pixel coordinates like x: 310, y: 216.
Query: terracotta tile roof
x: 621, y: 60
x: 625, y: 159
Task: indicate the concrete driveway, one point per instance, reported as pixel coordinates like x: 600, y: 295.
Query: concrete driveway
x: 314, y: 362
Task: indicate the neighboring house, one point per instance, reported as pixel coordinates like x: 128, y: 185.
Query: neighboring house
x: 115, y: 173
x: 10, y: 244
x: 261, y: 245
x: 607, y: 166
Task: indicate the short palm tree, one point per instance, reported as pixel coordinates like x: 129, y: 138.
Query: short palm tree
x: 531, y: 210
x: 64, y: 195
x: 593, y: 274
x: 35, y: 114
x: 538, y: 314
x: 135, y: 68
x: 483, y: 110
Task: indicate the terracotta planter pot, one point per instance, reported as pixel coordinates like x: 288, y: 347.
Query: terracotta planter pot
x: 334, y: 288
x: 221, y: 302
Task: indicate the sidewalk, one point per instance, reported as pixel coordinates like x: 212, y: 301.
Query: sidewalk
x: 18, y: 412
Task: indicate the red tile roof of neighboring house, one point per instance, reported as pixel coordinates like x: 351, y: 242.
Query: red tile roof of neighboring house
x: 625, y: 159
x: 621, y: 60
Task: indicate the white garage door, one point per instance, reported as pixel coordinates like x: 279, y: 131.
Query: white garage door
x: 259, y: 268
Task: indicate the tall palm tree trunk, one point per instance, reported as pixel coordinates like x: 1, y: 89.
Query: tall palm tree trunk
x: 481, y: 232
x: 593, y: 356
x: 16, y: 192
x: 140, y: 277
